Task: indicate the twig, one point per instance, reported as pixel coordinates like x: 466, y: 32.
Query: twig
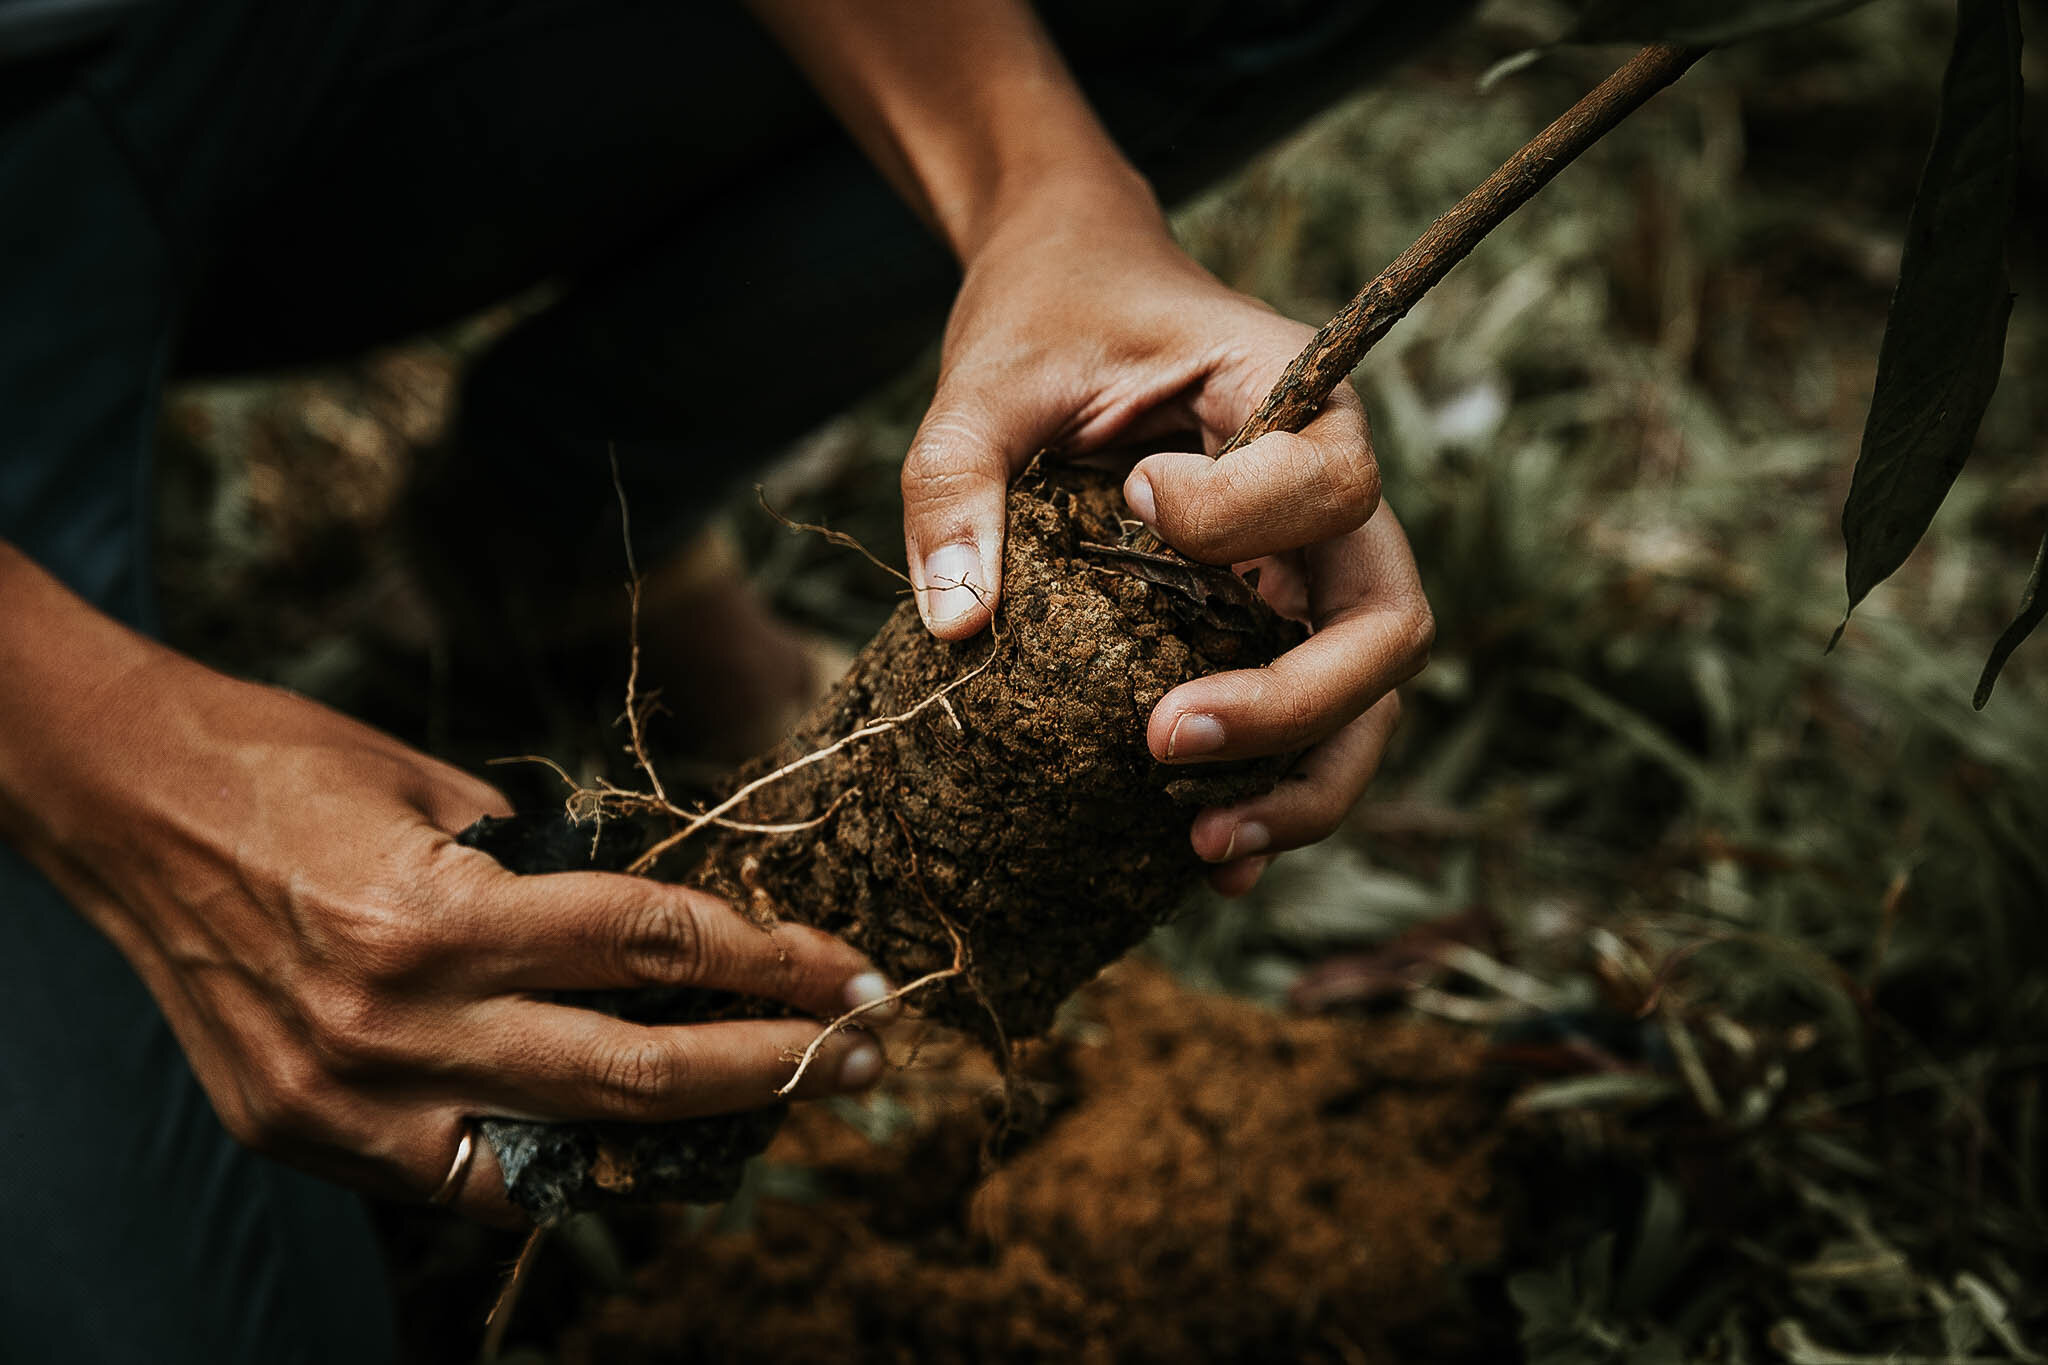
x: 1335, y: 350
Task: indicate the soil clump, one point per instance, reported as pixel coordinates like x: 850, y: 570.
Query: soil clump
x: 998, y: 823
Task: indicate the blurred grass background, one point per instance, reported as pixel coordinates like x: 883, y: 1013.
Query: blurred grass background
x: 1771, y: 919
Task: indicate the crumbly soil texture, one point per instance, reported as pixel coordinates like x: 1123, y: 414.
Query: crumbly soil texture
x: 1003, y: 815
x: 1213, y: 1182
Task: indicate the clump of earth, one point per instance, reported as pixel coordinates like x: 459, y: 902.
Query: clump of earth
x: 998, y: 821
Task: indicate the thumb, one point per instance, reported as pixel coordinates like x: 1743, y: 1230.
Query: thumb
x: 955, y: 480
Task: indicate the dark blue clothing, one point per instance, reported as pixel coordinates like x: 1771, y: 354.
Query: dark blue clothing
x: 232, y: 184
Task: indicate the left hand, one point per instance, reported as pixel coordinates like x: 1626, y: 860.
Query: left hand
x: 1077, y: 331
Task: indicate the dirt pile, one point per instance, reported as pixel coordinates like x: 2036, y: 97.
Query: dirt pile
x: 1214, y: 1182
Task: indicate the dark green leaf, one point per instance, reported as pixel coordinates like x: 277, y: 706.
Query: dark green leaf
x: 1946, y: 334
x: 2033, y: 609
x: 1697, y: 23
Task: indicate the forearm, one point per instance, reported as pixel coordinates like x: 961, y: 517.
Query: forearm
x: 966, y: 107
x: 68, y: 677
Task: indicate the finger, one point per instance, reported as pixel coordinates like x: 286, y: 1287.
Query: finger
x: 1311, y: 801
x: 483, y: 1196
x: 408, y: 1152
x: 471, y: 1182
x: 955, y: 479
x: 1283, y: 491
x: 453, y: 800
x: 1373, y: 631
x: 596, y: 930
x: 1236, y: 878
x: 556, y: 1062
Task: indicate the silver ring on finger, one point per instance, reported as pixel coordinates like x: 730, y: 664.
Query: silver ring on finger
x: 458, y: 1169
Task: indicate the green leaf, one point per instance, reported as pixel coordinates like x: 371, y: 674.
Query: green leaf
x: 2033, y: 608
x: 1697, y: 23
x: 1945, y: 337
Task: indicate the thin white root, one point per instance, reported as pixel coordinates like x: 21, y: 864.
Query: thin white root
x: 636, y: 707
x: 796, y: 827
x: 694, y: 822
x: 962, y: 960
x: 839, y: 538
x: 839, y: 1025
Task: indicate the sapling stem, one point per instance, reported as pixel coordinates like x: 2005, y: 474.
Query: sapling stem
x: 1335, y: 350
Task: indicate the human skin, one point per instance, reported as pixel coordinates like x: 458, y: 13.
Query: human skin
x: 1081, y: 326
x: 351, y: 985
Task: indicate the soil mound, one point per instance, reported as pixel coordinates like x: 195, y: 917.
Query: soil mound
x: 1212, y: 1182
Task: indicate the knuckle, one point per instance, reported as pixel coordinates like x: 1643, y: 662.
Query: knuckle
x: 640, y: 1077
x: 340, y: 1020
x: 1294, y: 713
x: 946, y: 444
x: 1201, y: 521
x: 285, y: 1103
x: 663, y: 943
x: 383, y: 935
x: 1420, y: 636
x: 932, y: 474
x: 1320, y: 822
x: 1352, y: 481
x: 352, y: 1034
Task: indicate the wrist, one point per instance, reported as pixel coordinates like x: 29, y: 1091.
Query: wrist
x: 1054, y: 193
x: 73, y: 694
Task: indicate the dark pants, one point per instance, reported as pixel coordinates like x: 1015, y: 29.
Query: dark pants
x: 231, y: 184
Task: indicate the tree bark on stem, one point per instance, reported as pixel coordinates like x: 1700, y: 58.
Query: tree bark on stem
x: 1335, y: 350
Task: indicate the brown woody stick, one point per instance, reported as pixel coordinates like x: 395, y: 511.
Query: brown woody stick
x: 1343, y: 341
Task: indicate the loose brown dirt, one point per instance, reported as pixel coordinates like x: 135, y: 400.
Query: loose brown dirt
x: 1212, y: 1182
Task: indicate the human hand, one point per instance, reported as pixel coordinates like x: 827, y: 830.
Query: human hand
x: 350, y: 984
x: 1078, y: 331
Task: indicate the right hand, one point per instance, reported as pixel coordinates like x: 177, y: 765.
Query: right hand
x: 349, y: 983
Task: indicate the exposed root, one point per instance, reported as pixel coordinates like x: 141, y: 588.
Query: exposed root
x: 796, y: 826
x: 839, y: 1025
x: 603, y: 798
x: 836, y: 537
x: 1005, y: 1120
x: 963, y: 961
x: 499, y: 1320
x: 637, y: 710
x: 695, y: 821
x: 593, y: 804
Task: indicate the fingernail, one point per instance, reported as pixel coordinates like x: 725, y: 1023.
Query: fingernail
x: 862, y: 1067
x: 1193, y: 735
x: 954, y: 585
x: 1138, y: 493
x: 865, y: 990
x: 1248, y: 838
